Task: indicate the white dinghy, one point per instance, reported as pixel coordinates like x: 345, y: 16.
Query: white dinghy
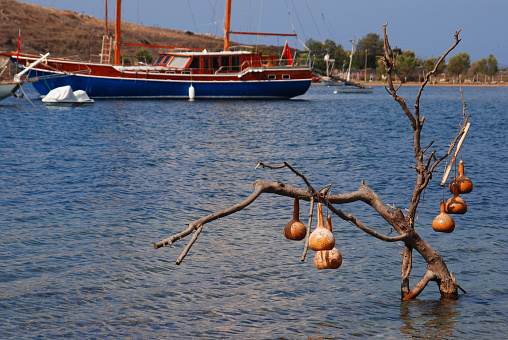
x: 63, y: 96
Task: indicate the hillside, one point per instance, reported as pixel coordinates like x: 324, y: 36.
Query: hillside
x: 72, y: 34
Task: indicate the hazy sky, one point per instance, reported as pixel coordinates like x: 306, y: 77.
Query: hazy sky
x: 425, y: 27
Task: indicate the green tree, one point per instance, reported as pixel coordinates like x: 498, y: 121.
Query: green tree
x: 458, y: 64
x: 125, y: 60
x: 406, y: 63
x: 380, y: 67
x: 492, y: 67
x: 336, y: 51
x: 479, y: 66
x: 315, y: 45
x: 144, y: 56
x: 430, y: 63
x: 371, y: 43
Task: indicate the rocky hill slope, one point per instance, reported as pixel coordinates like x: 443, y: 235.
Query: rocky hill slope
x: 72, y: 34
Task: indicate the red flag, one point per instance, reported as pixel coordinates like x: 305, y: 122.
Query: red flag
x: 19, y: 45
x: 287, y: 54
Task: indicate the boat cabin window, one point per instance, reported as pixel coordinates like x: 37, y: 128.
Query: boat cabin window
x: 194, y: 63
x: 224, y: 63
x: 286, y: 76
x: 206, y: 63
x: 215, y: 63
x: 165, y: 60
x: 162, y: 60
x: 271, y: 77
x: 178, y: 62
x: 235, y: 63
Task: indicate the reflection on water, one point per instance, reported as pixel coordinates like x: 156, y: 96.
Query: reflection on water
x: 429, y: 319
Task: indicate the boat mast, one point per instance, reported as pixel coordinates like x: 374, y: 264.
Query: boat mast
x: 351, y: 57
x: 118, y: 38
x: 227, y: 25
x: 106, y: 18
x: 227, y: 28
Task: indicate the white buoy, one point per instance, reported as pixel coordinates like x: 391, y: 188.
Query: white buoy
x: 192, y: 92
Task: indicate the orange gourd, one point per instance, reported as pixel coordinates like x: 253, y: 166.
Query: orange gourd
x: 443, y: 222
x: 321, y: 238
x: 328, y: 259
x: 463, y: 183
x: 455, y: 204
x: 295, y: 230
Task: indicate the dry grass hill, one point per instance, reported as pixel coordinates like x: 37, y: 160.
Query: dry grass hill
x: 72, y: 34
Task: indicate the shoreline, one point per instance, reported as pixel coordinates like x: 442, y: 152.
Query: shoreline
x: 415, y: 83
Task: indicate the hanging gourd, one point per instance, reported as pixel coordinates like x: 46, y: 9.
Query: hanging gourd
x: 295, y: 230
x: 463, y: 183
x: 321, y: 238
x: 443, y: 222
x: 455, y: 204
x: 328, y: 259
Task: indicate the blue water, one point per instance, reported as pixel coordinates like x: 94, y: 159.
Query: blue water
x: 85, y: 192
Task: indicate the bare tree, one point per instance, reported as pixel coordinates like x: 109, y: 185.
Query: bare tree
x: 403, y: 223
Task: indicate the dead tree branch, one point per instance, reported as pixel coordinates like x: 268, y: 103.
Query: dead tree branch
x: 209, y: 218
x: 463, y: 134
x: 428, y: 75
x: 364, y: 194
x: 429, y: 276
x: 351, y: 218
x: 391, y: 71
x: 189, y: 245
x: 424, y: 171
x: 407, y: 264
x: 309, y: 187
x: 401, y: 223
x: 311, y: 213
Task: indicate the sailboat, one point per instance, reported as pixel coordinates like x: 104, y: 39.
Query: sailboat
x: 9, y: 86
x: 177, y: 73
x: 347, y: 86
x: 329, y: 80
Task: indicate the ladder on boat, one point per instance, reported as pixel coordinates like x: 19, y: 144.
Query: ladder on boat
x: 107, y: 43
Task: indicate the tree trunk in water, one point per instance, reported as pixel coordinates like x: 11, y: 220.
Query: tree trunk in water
x: 436, y: 271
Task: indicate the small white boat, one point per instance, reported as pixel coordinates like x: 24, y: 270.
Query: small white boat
x: 7, y: 85
x: 329, y: 81
x: 64, y: 96
x: 7, y: 88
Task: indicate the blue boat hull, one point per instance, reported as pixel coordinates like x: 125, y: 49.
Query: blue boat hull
x: 108, y: 87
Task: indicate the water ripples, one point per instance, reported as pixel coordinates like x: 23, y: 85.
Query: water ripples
x: 85, y: 192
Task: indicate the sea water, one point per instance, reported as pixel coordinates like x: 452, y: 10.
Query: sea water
x: 85, y: 192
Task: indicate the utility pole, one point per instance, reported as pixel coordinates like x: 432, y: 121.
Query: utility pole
x: 365, y: 66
